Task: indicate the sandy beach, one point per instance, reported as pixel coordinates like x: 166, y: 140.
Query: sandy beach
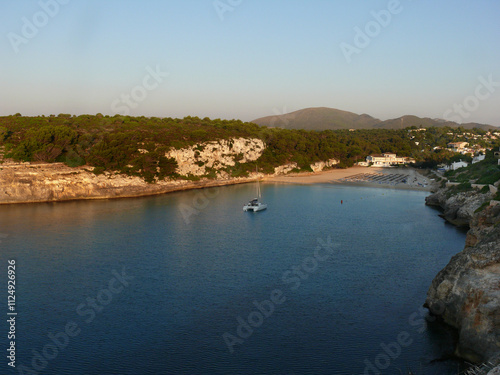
x: 396, y: 178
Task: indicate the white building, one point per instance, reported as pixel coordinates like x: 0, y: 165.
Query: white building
x: 458, y: 164
x: 477, y: 159
x: 387, y: 160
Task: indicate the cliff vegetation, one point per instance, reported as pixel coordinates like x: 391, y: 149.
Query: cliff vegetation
x: 144, y: 147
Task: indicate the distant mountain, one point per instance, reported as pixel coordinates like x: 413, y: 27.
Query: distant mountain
x: 319, y: 119
x: 322, y: 118
x: 426, y: 122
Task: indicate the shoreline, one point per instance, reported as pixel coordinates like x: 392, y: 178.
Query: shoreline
x: 166, y: 190
x: 347, y: 177
x: 49, y: 183
x: 472, y: 272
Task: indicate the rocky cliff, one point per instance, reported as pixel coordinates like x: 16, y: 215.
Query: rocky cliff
x: 30, y: 183
x: 27, y: 183
x: 458, y: 209
x: 319, y: 166
x: 198, y: 159
x: 466, y: 293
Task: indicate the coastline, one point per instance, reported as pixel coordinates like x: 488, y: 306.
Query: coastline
x: 347, y: 177
x: 56, y: 182
x: 465, y: 293
x: 42, y: 183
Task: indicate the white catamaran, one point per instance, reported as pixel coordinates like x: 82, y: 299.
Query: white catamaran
x: 254, y: 205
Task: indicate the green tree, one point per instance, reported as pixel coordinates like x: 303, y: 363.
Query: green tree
x: 45, y: 144
x: 4, y: 134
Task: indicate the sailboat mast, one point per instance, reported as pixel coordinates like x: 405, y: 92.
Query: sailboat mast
x: 258, y: 183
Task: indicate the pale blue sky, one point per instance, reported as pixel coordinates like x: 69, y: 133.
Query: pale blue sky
x: 263, y: 57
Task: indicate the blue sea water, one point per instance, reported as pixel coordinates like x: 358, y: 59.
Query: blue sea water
x: 187, y: 283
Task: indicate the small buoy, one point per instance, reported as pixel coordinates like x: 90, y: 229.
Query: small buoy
x: 341, y: 202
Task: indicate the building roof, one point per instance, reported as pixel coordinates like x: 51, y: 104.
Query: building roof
x: 457, y: 143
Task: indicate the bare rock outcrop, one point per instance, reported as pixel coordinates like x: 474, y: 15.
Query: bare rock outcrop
x: 320, y: 165
x: 466, y: 293
x: 30, y: 183
x: 458, y: 209
x: 284, y: 169
x: 195, y: 160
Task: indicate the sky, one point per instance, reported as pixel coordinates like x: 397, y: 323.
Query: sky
x: 245, y: 59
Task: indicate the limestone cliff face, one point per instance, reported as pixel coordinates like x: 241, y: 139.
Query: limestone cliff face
x: 319, y: 166
x: 458, y: 209
x: 466, y: 293
x: 315, y: 167
x: 26, y: 183
x: 31, y: 183
x: 216, y: 155
x: 284, y: 169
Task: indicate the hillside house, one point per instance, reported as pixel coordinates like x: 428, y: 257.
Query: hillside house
x: 387, y: 160
x: 458, y: 164
x: 458, y: 146
x: 478, y: 158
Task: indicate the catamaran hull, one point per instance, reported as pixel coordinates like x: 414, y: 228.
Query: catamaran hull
x: 260, y: 207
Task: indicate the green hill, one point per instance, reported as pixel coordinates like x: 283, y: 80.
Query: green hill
x: 323, y: 118
x: 409, y: 120
x: 320, y: 118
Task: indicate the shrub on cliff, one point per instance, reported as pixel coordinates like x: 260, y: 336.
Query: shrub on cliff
x: 152, y: 166
x: 4, y: 134
x: 461, y: 188
x: 124, y: 152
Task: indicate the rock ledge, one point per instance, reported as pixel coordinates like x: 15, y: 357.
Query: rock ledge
x: 466, y: 293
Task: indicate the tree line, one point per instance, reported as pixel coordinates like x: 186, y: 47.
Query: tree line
x: 137, y: 145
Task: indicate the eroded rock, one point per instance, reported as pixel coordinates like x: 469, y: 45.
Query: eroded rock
x: 466, y: 293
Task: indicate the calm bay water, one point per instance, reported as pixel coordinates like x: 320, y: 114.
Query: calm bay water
x: 153, y: 285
